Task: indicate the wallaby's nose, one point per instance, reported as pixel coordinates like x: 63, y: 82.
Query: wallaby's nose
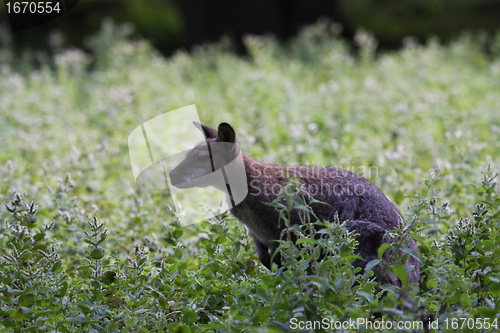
x: 174, y: 177
x: 178, y: 180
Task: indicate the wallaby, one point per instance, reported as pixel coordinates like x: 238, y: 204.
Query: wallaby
x: 343, y: 194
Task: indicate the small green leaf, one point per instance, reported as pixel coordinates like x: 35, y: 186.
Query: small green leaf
x: 411, y: 252
x: 102, y: 239
x: 13, y: 291
x: 56, y: 265
x: 90, y: 242
x: 488, y: 244
x: 268, y: 280
x: 98, y: 328
x: 369, y: 266
x: 454, y: 298
x: 302, y: 207
x: 263, y: 294
x: 473, y: 266
x: 465, y: 300
x: 307, y: 241
x: 38, y: 237
x: 85, y: 268
x: 390, y: 287
x: 486, y: 312
x: 97, y: 253
x: 95, y: 284
x: 221, y: 240
x: 109, y: 277
x: 366, y: 295
x: 189, y: 316
x: 382, y: 249
x: 178, y: 233
x: 495, y: 289
x: 200, y: 291
x: 432, y: 283
x: 276, y: 205
x: 494, y: 279
x: 178, y: 328
x: 400, y: 271
x: 62, y: 290
x: 27, y: 300
x: 321, y: 280
x: 79, y: 319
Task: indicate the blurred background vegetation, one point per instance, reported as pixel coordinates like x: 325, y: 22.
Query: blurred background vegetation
x: 174, y: 24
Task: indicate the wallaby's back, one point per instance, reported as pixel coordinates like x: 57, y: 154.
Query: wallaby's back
x: 347, y: 194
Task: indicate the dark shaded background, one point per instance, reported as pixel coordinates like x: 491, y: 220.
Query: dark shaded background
x: 173, y: 24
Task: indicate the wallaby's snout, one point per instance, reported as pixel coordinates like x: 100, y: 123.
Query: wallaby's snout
x: 190, y: 172
x: 176, y: 178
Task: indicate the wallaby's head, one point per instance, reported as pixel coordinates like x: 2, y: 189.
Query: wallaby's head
x: 217, y: 150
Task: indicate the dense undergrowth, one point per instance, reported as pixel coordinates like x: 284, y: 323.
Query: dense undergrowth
x: 83, y: 250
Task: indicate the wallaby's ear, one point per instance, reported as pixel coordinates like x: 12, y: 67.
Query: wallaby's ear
x: 209, y: 132
x: 226, y: 133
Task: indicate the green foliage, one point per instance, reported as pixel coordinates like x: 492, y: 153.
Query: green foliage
x: 96, y: 254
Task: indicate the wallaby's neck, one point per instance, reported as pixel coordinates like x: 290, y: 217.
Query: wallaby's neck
x: 258, y: 170
x: 252, y: 167
x: 262, y: 177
